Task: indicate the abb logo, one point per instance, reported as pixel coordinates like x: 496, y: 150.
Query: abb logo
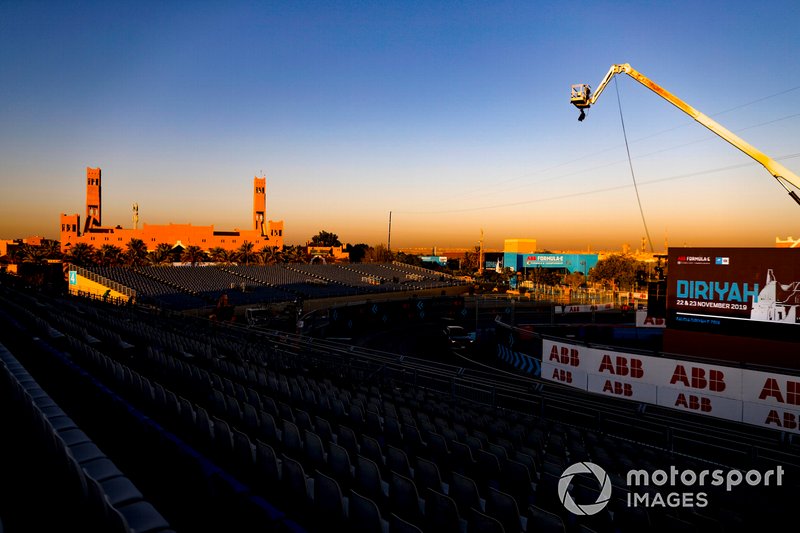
x: 622, y: 366
x: 772, y: 389
x: 715, y: 381
x: 564, y: 376
x: 787, y: 421
x: 695, y: 403
x: 565, y: 356
x: 617, y: 388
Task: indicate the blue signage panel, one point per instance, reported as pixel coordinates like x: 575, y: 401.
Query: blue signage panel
x: 73, y: 277
x: 571, y: 262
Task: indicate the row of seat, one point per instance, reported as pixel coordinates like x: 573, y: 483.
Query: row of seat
x: 149, y: 289
x: 286, y: 434
x: 231, y: 407
x: 275, y: 472
x: 303, y: 401
x: 209, y: 496
x: 90, y: 479
x: 622, y: 451
x: 186, y: 287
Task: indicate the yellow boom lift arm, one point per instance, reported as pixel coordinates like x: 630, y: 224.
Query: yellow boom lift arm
x: 583, y: 98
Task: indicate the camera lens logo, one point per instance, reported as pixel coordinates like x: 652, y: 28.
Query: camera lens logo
x: 586, y: 508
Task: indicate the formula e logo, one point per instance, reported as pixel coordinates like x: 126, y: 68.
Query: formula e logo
x: 694, y: 260
x: 585, y: 508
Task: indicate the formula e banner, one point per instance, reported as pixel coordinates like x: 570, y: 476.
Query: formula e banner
x: 766, y: 399
x: 738, y: 290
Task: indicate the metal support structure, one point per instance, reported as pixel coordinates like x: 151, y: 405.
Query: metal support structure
x: 582, y: 98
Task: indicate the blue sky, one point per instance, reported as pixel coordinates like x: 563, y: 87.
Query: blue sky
x: 454, y: 116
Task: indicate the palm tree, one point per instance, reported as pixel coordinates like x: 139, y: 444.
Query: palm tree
x: 294, y: 254
x: 218, y: 254
x: 32, y: 254
x: 246, y: 253
x: 16, y: 254
x: 193, y: 254
x: 52, y: 248
x: 110, y: 255
x: 162, y: 255
x: 229, y: 256
x: 81, y: 254
x: 268, y: 255
x: 136, y: 253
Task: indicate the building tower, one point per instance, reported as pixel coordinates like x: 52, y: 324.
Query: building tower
x: 93, y: 198
x: 259, y: 204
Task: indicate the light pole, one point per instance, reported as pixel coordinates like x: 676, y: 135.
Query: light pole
x: 583, y: 270
x: 389, y: 242
x: 525, y: 271
x: 476, y: 317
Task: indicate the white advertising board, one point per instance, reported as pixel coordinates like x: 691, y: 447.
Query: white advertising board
x: 761, y: 398
x: 771, y: 416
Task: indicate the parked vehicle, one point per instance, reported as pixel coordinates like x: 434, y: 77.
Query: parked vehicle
x: 458, y: 337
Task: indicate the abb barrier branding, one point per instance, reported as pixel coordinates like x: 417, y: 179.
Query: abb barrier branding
x: 643, y: 320
x: 755, y: 397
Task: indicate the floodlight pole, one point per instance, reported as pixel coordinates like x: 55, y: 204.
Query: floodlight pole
x: 389, y: 245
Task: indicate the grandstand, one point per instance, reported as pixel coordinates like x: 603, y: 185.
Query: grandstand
x: 194, y: 287
x: 226, y: 428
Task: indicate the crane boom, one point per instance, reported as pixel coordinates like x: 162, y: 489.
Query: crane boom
x: 583, y: 98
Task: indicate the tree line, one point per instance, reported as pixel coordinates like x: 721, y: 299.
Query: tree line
x: 136, y: 253
x: 614, y: 271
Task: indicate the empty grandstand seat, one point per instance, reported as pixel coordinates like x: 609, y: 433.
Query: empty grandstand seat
x: 296, y: 483
x: 369, y: 482
x: 397, y: 461
x: 465, y: 493
x: 339, y: 461
x: 314, y: 450
x: 504, y: 508
x: 364, y: 516
x: 404, y: 500
x: 329, y: 504
x: 267, y: 467
x: 427, y: 476
x: 441, y: 513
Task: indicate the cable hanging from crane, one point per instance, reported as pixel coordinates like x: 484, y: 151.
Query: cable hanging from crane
x: 630, y: 164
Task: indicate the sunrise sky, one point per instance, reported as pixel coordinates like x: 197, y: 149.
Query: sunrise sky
x: 454, y: 116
